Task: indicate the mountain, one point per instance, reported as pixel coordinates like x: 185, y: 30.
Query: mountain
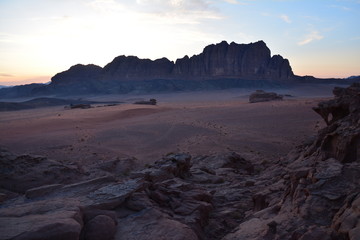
x: 220, y: 61
x: 219, y: 66
x: 245, y: 61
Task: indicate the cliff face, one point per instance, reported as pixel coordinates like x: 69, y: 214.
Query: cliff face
x: 223, y: 60
x: 77, y: 73
x: 232, y: 61
x: 133, y: 68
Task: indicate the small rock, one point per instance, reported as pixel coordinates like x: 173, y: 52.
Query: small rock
x: 262, y: 96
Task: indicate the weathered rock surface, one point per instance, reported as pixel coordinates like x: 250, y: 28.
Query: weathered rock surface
x: 315, y: 193
x: 312, y: 193
x: 170, y: 194
x: 222, y: 60
x: 20, y: 173
x: 262, y: 96
x: 247, y: 61
x: 152, y: 224
x: 77, y: 73
x: 100, y: 227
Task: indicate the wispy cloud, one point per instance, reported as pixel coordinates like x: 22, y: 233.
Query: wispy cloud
x: 355, y: 38
x: 245, y: 37
x: 6, y: 75
x: 164, y: 11
x: 105, y: 6
x: 312, y: 36
x: 341, y: 7
x: 285, y: 18
x: 236, y: 2
x: 6, y: 37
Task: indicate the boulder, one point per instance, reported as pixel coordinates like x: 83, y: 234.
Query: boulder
x: 262, y: 96
x: 46, y: 219
x: 152, y: 101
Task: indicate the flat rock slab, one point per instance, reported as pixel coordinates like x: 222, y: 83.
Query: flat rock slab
x: 152, y: 224
x: 60, y: 215
x: 52, y: 225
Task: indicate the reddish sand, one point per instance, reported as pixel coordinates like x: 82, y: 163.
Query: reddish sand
x: 198, y: 123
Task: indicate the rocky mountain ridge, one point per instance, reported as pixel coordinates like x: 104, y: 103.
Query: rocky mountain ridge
x: 243, y: 61
x: 222, y: 60
x: 219, y: 66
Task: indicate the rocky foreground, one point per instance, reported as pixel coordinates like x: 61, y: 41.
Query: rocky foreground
x: 312, y: 193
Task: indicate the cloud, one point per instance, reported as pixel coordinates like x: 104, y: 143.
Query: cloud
x: 6, y: 75
x: 231, y: 1
x: 7, y: 37
x: 312, y: 36
x: 164, y: 11
x: 341, y: 7
x: 245, y: 37
x: 285, y: 18
x: 236, y: 2
x: 105, y: 6
x: 187, y: 9
x: 356, y: 38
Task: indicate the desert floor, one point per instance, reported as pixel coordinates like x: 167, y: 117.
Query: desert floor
x: 199, y: 123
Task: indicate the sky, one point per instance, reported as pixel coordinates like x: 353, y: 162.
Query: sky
x: 39, y: 38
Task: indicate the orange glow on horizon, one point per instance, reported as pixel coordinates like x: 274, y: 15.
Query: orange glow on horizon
x: 21, y: 80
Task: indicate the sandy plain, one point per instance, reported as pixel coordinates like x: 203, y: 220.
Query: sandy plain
x: 199, y: 123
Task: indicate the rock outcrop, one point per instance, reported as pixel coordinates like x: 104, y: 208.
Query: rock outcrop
x: 262, y: 96
x: 77, y: 73
x: 315, y: 191
x: 223, y: 60
x: 132, y: 68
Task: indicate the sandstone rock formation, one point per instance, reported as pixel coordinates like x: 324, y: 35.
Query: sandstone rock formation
x: 246, y: 61
x: 132, y: 68
x: 77, y: 73
x: 262, y: 96
x: 242, y: 61
x: 315, y: 190
x: 152, y: 101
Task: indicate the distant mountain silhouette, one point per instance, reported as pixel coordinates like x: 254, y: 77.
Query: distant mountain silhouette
x: 244, y: 61
x: 219, y: 66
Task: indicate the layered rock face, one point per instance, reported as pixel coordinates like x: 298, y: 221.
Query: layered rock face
x: 132, y: 68
x: 77, y: 73
x: 240, y: 61
x: 315, y: 191
x: 223, y: 60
